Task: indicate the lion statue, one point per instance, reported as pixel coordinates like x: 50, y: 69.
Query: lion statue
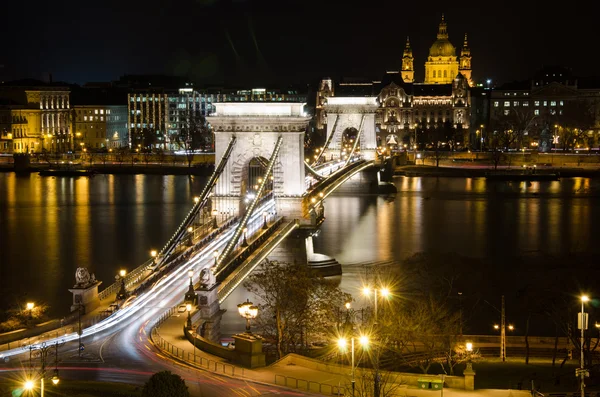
x: 82, y: 277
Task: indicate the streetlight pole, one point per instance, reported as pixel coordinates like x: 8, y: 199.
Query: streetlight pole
x: 248, y: 311
x: 583, y: 326
x: 503, y: 333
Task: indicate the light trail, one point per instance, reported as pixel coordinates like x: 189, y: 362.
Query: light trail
x: 167, y: 286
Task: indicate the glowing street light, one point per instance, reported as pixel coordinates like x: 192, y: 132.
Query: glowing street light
x: 383, y: 292
x: 28, y: 385
x: 248, y: 311
x: 342, y: 343
x: 153, y: 253
x: 196, y: 199
x: 582, y: 324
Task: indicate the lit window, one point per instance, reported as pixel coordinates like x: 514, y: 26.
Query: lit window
x: 84, y: 118
x: 553, y: 111
x: 553, y: 103
x: 560, y: 112
x: 101, y: 118
x: 496, y: 104
x: 525, y: 103
x: 506, y: 103
x: 506, y: 112
x: 545, y: 103
x: 561, y: 103
x: 516, y: 103
x: 101, y: 111
x: 537, y: 103
x: 95, y: 111
x: 536, y: 112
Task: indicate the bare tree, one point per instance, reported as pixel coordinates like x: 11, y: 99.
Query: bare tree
x: 194, y: 132
x: 296, y: 302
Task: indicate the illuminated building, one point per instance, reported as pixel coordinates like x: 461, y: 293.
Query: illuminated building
x: 411, y: 112
x: 39, y: 116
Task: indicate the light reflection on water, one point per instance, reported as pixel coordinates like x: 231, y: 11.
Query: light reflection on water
x: 50, y: 226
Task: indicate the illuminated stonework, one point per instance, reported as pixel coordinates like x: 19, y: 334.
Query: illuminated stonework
x: 441, y: 66
x: 257, y: 126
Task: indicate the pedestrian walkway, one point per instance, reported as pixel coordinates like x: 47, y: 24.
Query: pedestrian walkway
x: 288, y: 372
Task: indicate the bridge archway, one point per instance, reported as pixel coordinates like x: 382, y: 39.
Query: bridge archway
x: 257, y: 127
x: 345, y: 113
x: 257, y: 167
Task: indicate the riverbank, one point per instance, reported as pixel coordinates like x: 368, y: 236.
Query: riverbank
x: 122, y: 169
x: 480, y: 172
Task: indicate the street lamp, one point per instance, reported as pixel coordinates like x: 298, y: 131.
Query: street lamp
x: 30, y: 306
x: 121, y: 277
x: 248, y: 311
x: 582, y: 324
x: 244, y: 241
x: 383, y: 292
x: 196, y: 199
x: 264, y: 226
x: 363, y: 340
x: 153, y: 253
x: 469, y: 349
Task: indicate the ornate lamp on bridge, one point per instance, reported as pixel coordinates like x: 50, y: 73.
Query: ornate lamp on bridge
x: 248, y: 311
x: 122, y: 294
x: 190, y: 295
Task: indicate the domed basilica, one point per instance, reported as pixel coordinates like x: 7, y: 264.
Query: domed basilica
x: 409, y: 112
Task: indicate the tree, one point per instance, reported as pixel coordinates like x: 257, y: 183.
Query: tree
x: 577, y: 118
x: 297, y: 302
x: 514, y: 125
x: 194, y: 132
x: 165, y: 384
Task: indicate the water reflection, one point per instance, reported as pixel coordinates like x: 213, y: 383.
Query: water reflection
x: 50, y: 226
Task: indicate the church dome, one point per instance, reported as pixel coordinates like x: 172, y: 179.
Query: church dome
x: 442, y: 48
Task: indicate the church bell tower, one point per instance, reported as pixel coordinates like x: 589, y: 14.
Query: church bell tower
x: 465, y: 62
x: 408, y: 69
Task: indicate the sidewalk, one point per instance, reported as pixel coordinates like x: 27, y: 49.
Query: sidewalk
x: 285, y: 372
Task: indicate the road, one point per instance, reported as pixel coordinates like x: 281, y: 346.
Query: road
x: 118, y: 348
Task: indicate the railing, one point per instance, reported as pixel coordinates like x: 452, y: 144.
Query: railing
x: 190, y: 357
x: 131, y: 278
x: 219, y: 367
x: 309, y: 385
x: 230, y: 284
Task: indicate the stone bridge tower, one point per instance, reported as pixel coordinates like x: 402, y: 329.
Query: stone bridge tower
x: 257, y: 127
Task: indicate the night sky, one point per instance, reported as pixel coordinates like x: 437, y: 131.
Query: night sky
x: 286, y: 41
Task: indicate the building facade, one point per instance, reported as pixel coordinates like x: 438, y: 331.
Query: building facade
x: 37, y: 117
x: 553, y: 110
x: 416, y: 114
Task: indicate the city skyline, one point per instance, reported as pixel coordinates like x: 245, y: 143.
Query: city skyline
x: 243, y: 42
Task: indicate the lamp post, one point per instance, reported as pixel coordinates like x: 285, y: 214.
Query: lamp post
x: 42, y: 351
x: 248, y: 311
x: 582, y: 323
x: 214, y: 213
x: 383, y: 292
x: 342, y: 344
x: 188, y: 308
x: 264, y: 226
x: 122, y: 294
x: 153, y: 253
x: 244, y: 241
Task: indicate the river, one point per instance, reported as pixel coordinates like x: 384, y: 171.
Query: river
x: 50, y: 226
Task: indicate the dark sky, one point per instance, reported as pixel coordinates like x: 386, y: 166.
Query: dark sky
x: 266, y: 42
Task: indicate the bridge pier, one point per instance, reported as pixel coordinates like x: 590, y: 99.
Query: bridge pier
x: 209, y: 312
